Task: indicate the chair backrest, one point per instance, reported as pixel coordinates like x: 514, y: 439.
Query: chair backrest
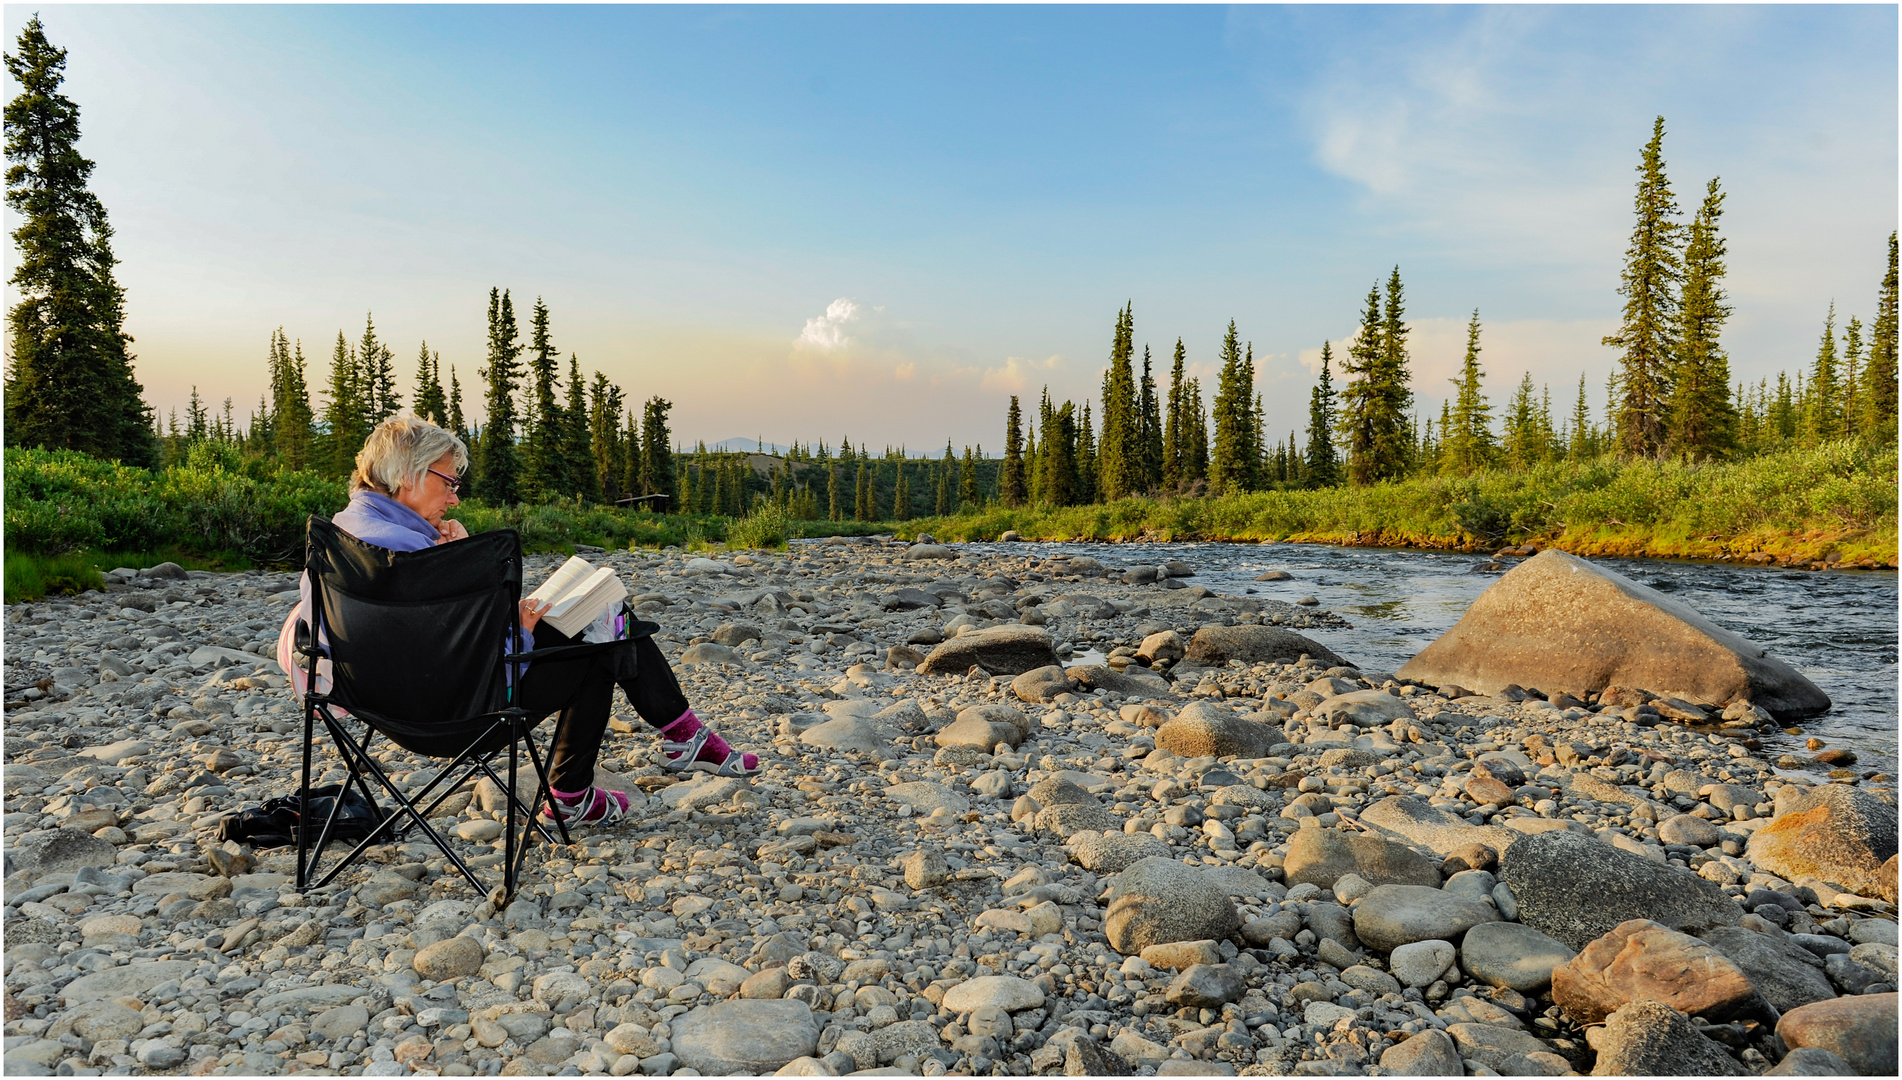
x: 416, y: 638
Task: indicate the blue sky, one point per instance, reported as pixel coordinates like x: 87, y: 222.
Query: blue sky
x: 881, y: 222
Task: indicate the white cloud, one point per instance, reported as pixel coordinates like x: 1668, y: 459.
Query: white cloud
x: 826, y: 333
x: 1014, y: 375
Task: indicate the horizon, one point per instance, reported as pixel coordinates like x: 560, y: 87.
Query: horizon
x: 847, y: 213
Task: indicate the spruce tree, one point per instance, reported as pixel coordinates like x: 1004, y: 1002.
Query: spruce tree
x: 1467, y: 435
x: 1391, y: 392
x: 1232, y: 458
x: 1523, y: 447
x: 576, y: 457
x: 378, y: 366
x: 656, y: 454
x: 347, y: 410
x: 835, y: 499
x: 607, y: 449
x: 1701, y: 420
x: 1323, y: 468
x: 69, y: 378
x: 862, y: 492
x: 901, y: 487
x: 197, y: 418
x: 1583, y: 446
x: 498, y: 477
x: 1821, y: 418
x: 457, y: 423
x: 543, y: 473
x: 1362, y: 411
x: 1014, y: 491
x: 1119, y: 468
x: 1879, y: 380
x: 290, y: 404
x: 1176, y: 450
x: 1198, y: 434
x: 1646, y: 338
x: 1087, y: 468
x: 1149, y: 428
x: 429, y: 396
x: 967, y: 484
x: 1852, y: 378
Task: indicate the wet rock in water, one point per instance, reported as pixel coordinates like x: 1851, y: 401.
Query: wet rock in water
x: 1394, y: 915
x: 1205, y: 729
x: 1000, y: 650
x: 982, y: 727
x: 1835, y: 833
x: 1214, y: 646
x: 1577, y: 888
x: 1512, y: 955
x: 1042, y: 684
x: 1861, y: 1030
x: 1785, y: 973
x: 1561, y: 623
x: 745, y: 1036
x: 1643, y: 960
x: 1429, y: 1053
x: 1647, y: 1038
x: 1321, y: 856
x: 1160, y: 900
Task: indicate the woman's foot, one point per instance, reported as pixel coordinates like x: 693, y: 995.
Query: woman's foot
x: 594, y: 806
x: 690, y: 744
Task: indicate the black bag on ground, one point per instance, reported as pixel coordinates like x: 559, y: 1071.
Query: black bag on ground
x: 275, y: 823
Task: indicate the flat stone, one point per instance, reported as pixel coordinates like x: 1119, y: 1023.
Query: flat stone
x: 745, y: 1036
x: 703, y: 790
x: 63, y: 851
x: 1860, y: 1029
x: 1494, y: 1046
x: 1133, y: 681
x: 1159, y: 900
x: 1649, y: 1038
x: 1000, y: 650
x: 1784, y: 972
x: 340, y: 1022
x: 1321, y: 856
x: 321, y: 995
x: 1364, y: 708
x: 1640, y: 959
x: 1215, y: 646
x: 114, y: 753
x: 132, y: 980
x: 98, y: 1021
x: 1513, y: 956
x: 1114, y: 852
x: 1416, y: 821
x: 923, y: 797
x: 1811, y: 1061
x: 1006, y: 992
x: 1835, y: 833
x: 1394, y: 915
x: 708, y: 652
x: 1182, y: 955
x: 1561, y: 623
x: 1577, y: 888
x: 1429, y: 1053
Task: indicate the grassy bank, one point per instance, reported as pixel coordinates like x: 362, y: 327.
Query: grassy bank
x: 1801, y: 504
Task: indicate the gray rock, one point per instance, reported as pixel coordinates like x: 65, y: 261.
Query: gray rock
x: 1513, y: 956
x: 1066, y: 819
x: 845, y: 733
x: 1811, y: 1061
x: 340, y: 1022
x: 923, y: 797
x: 1577, y: 888
x: 1135, y: 682
x: 1429, y: 1053
x: 925, y: 869
x: 1413, y: 819
x: 1083, y: 1057
x: 1000, y: 650
x: 1561, y: 623
x: 1861, y: 1030
x: 745, y: 1036
x: 1207, y: 986
x: 1364, y: 708
x: 1006, y: 992
x: 1688, y: 829
x: 1214, y: 646
x: 1419, y: 963
x: 1042, y: 684
x: 1114, y: 852
x: 1647, y: 1038
x: 129, y: 981
x: 1394, y: 915
x: 1321, y: 856
x: 1835, y: 833
x: 449, y: 959
x: 982, y: 727
x: 1494, y: 1046
x: 708, y: 652
x: 1158, y: 900
x: 1053, y: 790
x: 1785, y: 973
x: 62, y: 851
x: 907, y: 1038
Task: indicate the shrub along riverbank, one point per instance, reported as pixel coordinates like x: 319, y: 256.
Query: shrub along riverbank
x: 68, y: 515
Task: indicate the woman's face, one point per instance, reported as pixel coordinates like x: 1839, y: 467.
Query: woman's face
x: 433, y: 494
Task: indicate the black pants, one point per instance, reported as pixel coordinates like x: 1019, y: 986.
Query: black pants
x: 582, y: 691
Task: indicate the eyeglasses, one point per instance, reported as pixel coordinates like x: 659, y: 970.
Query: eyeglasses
x: 455, y: 485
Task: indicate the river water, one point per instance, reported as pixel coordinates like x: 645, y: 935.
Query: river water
x: 1837, y: 627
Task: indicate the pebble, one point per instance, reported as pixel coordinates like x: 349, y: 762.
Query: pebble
x: 882, y: 896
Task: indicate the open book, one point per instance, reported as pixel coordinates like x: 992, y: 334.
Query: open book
x: 579, y: 594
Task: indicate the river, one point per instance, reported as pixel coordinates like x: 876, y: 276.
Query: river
x: 1837, y: 627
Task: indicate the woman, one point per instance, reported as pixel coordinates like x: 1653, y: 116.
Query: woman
x: 405, y: 480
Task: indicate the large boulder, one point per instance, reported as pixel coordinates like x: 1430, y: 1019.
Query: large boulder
x: 1205, y: 729
x: 62, y: 851
x: 1648, y: 1038
x: 1560, y: 623
x: 1861, y: 1030
x: 1214, y: 646
x: 1578, y: 888
x: 745, y: 1037
x: 1785, y: 973
x: 1157, y: 901
x: 1642, y: 961
x: 1837, y: 833
x: 1321, y: 856
x: 1394, y: 915
x: 982, y: 727
x: 1000, y: 650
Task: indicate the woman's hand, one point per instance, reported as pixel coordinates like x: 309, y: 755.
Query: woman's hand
x: 450, y: 530
x: 532, y: 611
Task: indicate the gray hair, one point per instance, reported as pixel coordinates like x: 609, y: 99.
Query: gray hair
x: 400, y: 451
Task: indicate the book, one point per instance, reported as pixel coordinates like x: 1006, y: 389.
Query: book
x: 579, y: 594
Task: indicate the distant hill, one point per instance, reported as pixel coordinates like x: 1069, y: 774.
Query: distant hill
x: 749, y: 446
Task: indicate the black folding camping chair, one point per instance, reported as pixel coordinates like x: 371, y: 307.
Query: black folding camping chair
x: 420, y: 649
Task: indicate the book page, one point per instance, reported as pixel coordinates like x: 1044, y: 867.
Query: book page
x: 577, y: 598
x: 587, y: 602
x: 556, y: 587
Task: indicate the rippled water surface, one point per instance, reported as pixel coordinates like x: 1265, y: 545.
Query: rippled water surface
x: 1836, y: 627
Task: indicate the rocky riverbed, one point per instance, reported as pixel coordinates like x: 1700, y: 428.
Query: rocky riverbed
x: 1114, y: 824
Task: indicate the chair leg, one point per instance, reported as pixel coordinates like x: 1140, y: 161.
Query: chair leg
x: 303, y: 796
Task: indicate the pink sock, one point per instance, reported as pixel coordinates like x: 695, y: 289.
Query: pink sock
x: 714, y: 751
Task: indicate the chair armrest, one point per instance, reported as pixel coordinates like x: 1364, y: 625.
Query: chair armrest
x: 558, y: 652
x: 303, y: 644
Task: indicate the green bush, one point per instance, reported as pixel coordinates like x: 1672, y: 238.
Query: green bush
x: 766, y: 528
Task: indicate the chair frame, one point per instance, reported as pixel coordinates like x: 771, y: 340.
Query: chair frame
x: 361, y: 766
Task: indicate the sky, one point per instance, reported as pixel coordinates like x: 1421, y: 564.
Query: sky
x: 881, y: 222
